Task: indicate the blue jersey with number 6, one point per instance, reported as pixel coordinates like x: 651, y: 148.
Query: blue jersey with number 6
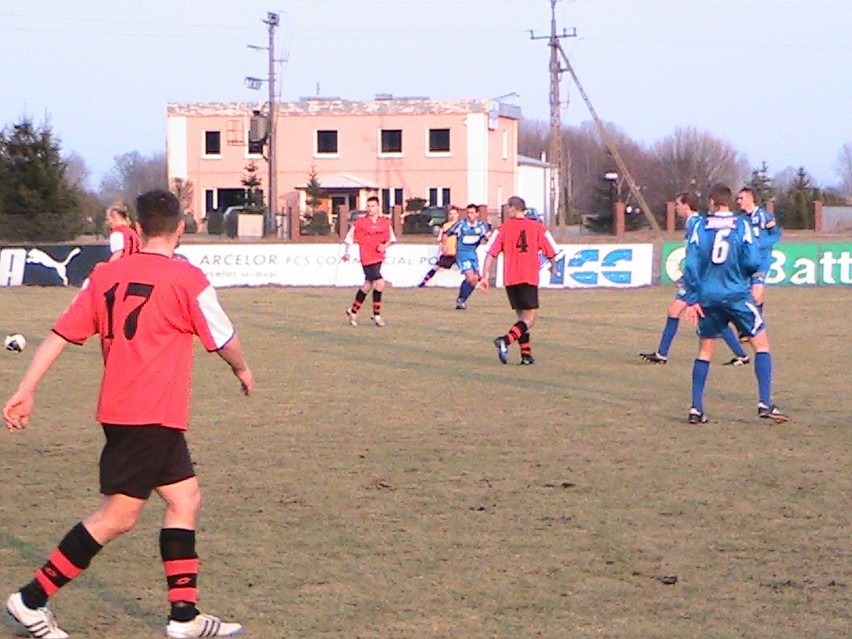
x: 721, y: 257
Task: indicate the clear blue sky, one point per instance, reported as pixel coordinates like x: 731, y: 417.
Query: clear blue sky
x: 772, y: 77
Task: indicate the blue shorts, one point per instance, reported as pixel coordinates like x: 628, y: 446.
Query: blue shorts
x: 468, y: 263
x: 743, y: 314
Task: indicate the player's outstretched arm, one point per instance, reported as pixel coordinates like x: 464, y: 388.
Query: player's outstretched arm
x: 232, y: 353
x: 19, y: 408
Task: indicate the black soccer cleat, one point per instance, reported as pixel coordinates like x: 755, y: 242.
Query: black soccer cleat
x: 772, y: 412
x: 502, y: 345
x: 696, y: 416
x: 738, y: 361
x: 527, y: 360
x: 654, y: 358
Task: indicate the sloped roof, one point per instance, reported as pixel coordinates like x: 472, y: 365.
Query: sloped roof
x: 342, y: 181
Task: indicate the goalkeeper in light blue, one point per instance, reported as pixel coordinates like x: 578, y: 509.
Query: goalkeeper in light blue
x: 722, y: 258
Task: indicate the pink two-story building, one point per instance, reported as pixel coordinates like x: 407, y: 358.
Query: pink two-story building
x: 455, y: 151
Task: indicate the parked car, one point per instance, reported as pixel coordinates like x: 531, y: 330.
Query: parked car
x: 429, y: 220
x: 353, y: 215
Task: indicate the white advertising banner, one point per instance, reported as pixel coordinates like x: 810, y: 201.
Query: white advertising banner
x: 596, y: 266
x: 578, y: 265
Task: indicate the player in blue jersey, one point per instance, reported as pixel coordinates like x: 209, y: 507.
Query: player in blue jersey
x: 767, y: 234
x: 686, y: 207
x: 470, y: 233
x: 722, y: 256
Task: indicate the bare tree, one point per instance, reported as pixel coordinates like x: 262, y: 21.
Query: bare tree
x: 691, y: 159
x: 843, y: 166
x: 132, y: 175
x: 76, y: 171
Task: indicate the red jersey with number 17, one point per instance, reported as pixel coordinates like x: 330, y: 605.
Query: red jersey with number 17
x: 147, y: 308
x: 521, y: 240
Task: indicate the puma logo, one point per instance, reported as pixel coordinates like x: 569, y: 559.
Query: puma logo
x: 37, y: 256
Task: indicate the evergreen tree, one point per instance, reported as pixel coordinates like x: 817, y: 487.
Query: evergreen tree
x: 761, y: 183
x: 251, y: 182
x: 795, y: 207
x: 36, y: 201
x: 313, y: 190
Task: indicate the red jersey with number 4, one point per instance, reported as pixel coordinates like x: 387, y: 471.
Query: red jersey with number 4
x: 147, y: 308
x: 125, y: 239
x: 521, y: 240
x: 368, y: 234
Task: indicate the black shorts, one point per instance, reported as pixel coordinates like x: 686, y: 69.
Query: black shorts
x: 522, y: 297
x: 446, y: 261
x: 137, y: 459
x: 372, y: 272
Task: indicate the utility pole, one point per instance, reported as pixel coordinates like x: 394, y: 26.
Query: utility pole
x: 607, y: 140
x: 271, y: 210
x: 556, y: 155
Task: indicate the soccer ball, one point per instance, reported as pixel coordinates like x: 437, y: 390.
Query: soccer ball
x: 15, y: 343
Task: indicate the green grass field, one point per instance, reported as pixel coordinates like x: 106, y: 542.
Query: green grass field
x: 399, y: 482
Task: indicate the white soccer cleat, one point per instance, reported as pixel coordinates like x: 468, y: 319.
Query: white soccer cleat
x: 378, y: 321
x: 202, y: 626
x: 353, y: 320
x: 39, y: 622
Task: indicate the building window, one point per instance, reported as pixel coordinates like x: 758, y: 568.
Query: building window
x: 391, y: 141
x: 390, y: 198
x: 212, y: 143
x: 209, y: 201
x: 326, y: 142
x: 439, y: 140
x: 255, y: 148
x: 439, y: 197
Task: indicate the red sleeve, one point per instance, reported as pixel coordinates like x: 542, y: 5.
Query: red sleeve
x: 79, y: 321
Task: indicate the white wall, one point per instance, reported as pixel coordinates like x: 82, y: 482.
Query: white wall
x: 176, y: 147
x: 477, y: 159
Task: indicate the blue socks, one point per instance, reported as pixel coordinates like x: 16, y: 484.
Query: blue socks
x: 763, y: 372
x: 669, y: 333
x: 733, y: 342
x: 700, y: 370
x: 465, y: 290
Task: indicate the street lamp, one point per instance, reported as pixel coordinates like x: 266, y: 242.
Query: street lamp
x: 612, y: 178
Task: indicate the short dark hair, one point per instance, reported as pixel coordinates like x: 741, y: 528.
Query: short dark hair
x: 721, y: 195
x: 158, y: 212
x: 750, y: 191
x: 472, y: 206
x: 373, y: 198
x: 516, y: 203
x: 690, y: 199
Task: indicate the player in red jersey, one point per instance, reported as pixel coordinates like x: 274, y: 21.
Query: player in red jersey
x: 123, y: 238
x: 520, y: 239
x: 146, y: 309
x: 373, y: 234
